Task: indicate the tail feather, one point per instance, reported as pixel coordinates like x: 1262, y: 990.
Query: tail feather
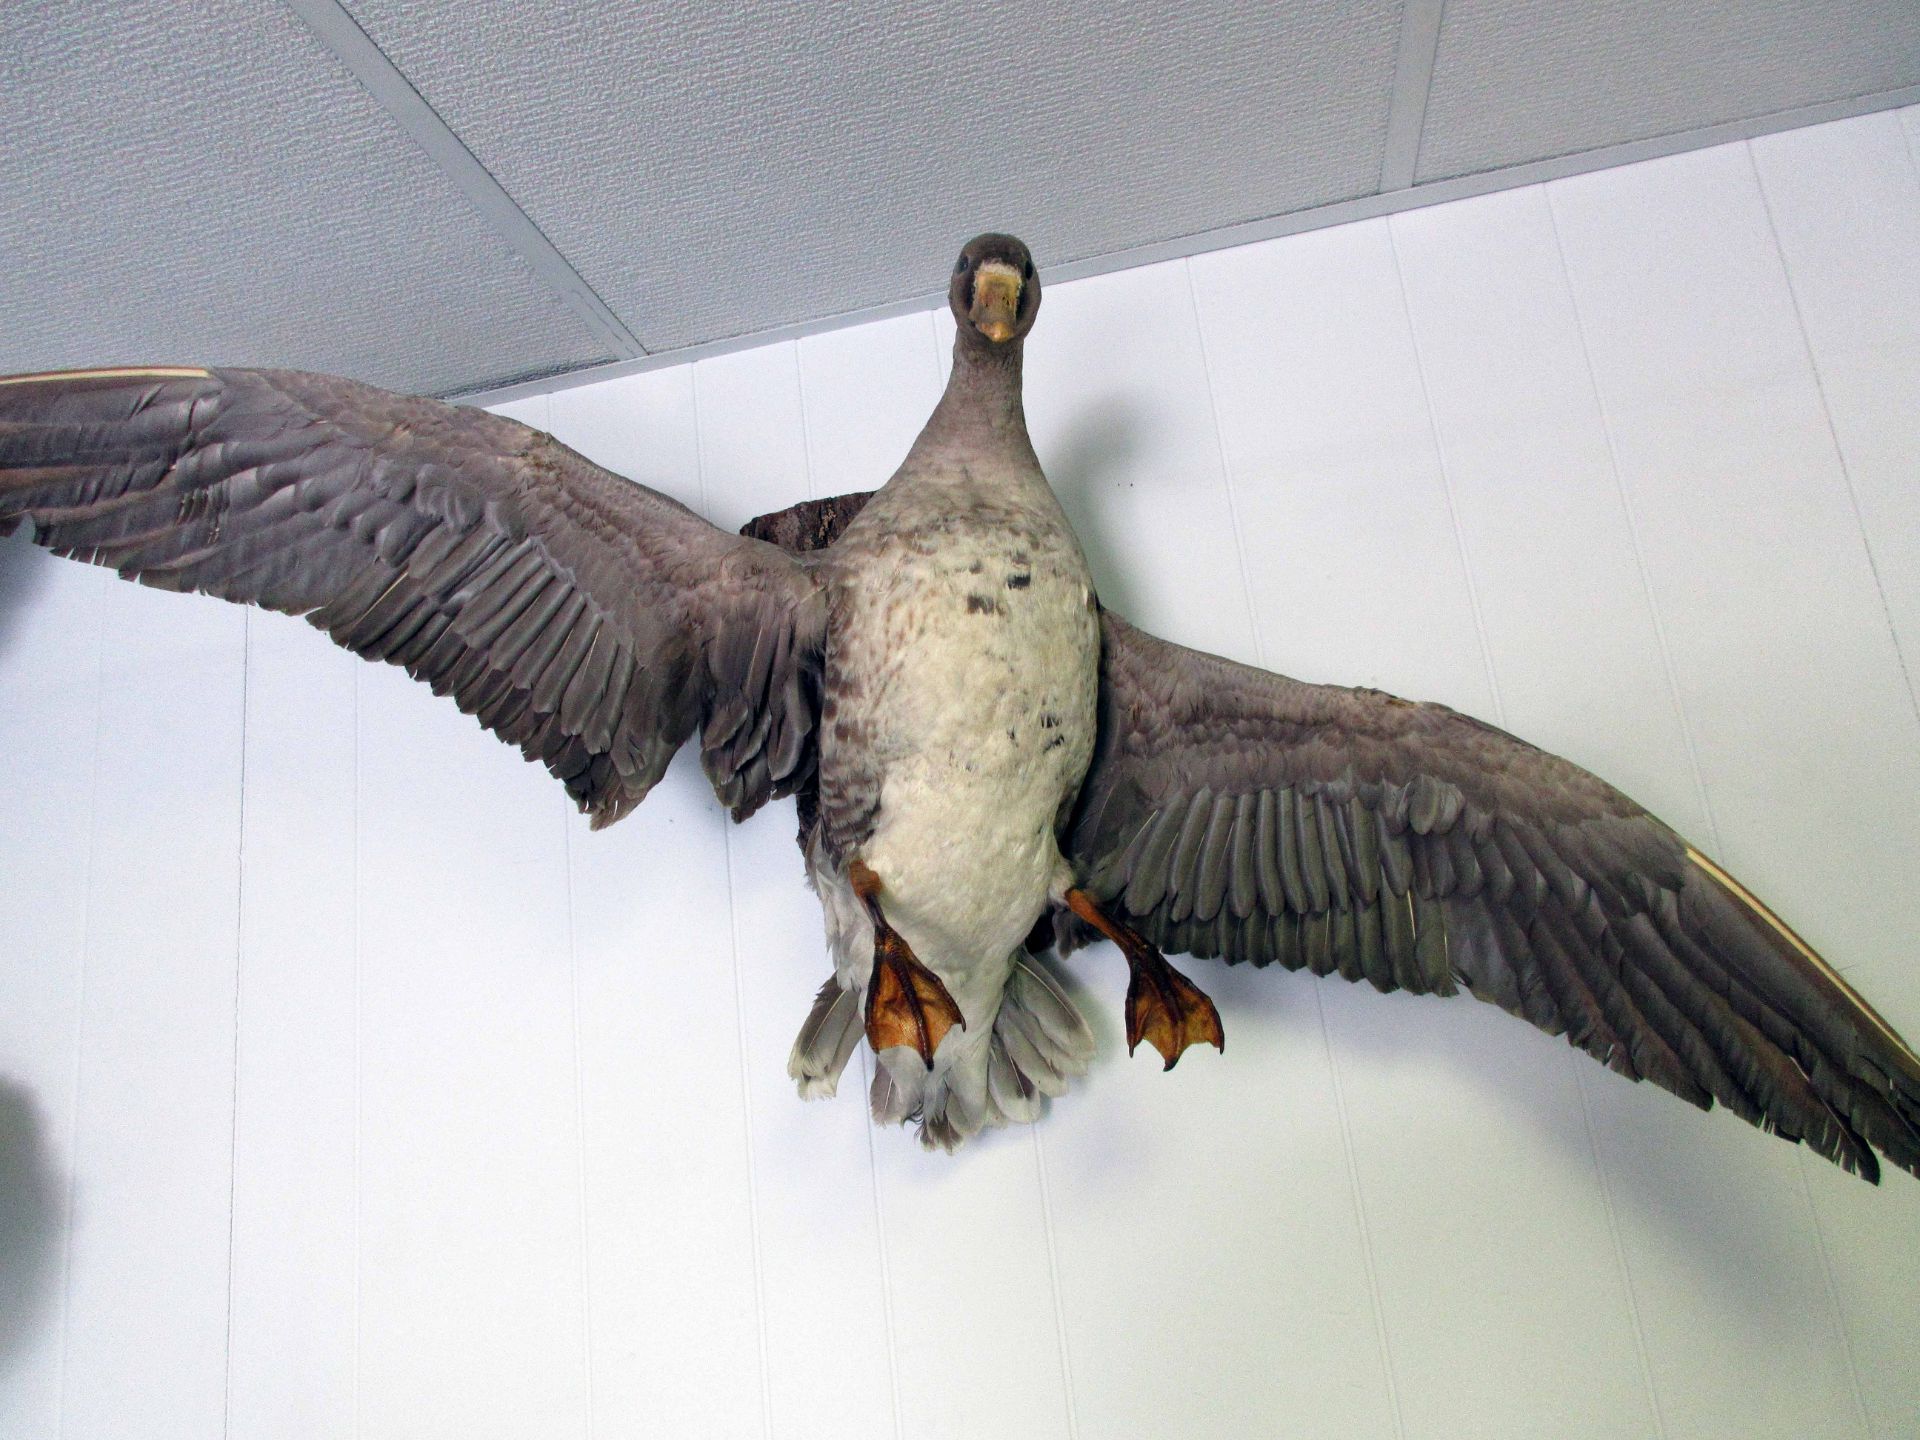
x: 1016, y: 1095
x: 821, y: 1050
x: 1002, y: 1075
x: 1040, y: 995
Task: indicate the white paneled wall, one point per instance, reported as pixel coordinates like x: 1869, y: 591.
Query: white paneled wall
x: 350, y: 1086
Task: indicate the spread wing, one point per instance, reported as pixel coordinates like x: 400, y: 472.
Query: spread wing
x: 587, y: 619
x: 1230, y: 812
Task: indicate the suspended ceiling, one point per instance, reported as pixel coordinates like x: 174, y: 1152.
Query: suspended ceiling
x: 454, y: 197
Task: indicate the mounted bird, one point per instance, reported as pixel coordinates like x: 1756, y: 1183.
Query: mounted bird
x: 985, y: 760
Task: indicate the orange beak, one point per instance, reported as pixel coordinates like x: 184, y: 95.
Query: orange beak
x: 996, y: 300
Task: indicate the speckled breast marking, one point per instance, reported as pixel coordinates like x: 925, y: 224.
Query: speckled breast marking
x: 960, y: 717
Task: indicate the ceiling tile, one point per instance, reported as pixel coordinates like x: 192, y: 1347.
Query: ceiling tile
x: 720, y: 170
x: 1515, y: 80
x: 206, y: 184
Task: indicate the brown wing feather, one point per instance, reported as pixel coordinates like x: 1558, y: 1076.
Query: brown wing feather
x: 588, y: 620
x: 1236, y: 813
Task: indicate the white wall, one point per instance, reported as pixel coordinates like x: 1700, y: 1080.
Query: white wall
x: 352, y: 1087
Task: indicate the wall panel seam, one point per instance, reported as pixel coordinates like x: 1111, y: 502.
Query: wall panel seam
x: 1053, y: 1281
x: 1668, y: 667
x: 866, y: 1077
x: 1369, y: 1262
x: 358, y: 1117
x: 739, y: 996
x: 1670, y: 673
x: 1847, y: 1347
x: 1575, y: 1063
x: 1687, y: 731
x: 100, y: 599
x: 1833, y: 431
x: 1907, y: 129
x: 1446, y: 488
x: 239, y: 977
x: 581, y: 1166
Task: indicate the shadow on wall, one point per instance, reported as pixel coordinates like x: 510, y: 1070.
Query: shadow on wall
x: 1081, y: 467
x: 1668, y: 1177
x: 30, y: 1190
x: 22, y: 571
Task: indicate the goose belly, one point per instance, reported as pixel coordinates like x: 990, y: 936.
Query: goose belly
x: 984, y: 723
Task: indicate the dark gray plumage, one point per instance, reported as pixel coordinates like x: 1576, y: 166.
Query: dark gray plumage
x: 1224, y: 811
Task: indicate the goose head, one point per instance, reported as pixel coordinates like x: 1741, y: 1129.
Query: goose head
x: 994, y: 292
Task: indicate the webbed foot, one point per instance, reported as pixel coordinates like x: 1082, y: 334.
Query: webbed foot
x: 1164, y: 1008
x: 907, y: 1004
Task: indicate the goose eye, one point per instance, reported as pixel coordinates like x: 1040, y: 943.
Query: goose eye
x: 1026, y: 271
x: 960, y: 265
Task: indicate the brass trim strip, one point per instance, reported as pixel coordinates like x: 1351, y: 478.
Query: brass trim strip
x: 131, y: 372
x: 1752, y: 902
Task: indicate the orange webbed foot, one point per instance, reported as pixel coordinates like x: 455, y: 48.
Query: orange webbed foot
x: 1164, y: 1008
x: 907, y: 1004
x: 1168, y: 1011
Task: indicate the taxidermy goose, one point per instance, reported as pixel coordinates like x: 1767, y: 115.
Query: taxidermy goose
x: 978, y: 748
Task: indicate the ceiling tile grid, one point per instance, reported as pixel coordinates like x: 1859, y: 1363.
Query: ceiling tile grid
x: 453, y: 195
x: 205, y: 184
x: 1515, y: 80
x: 730, y: 169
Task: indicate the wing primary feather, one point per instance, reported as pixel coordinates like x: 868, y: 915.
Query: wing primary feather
x: 1702, y: 1078
x: 1366, y: 849
x: 1369, y: 952
x: 1287, y: 821
x: 1464, y: 863
x: 525, y: 584
x: 1316, y: 942
x: 528, y: 626
x: 1530, y: 886
x: 1215, y: 856
x: 1147, y: 885
x: 1493, y: 869
x: 1243, y: 886
x: 1575, y: 1004
x: 1314, y: 859
x: 1396, y: 934
x: 1439, y: 863
x: 1635, y: 1049
x: 1182, y: 877
x: 1765, y: 917
x: 1433, y: 962
x: 1396, y: 862
x: 1336, y: 848
x: 1266, y: 853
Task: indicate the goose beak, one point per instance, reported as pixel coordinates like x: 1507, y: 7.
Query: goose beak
x: 996, y: 301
